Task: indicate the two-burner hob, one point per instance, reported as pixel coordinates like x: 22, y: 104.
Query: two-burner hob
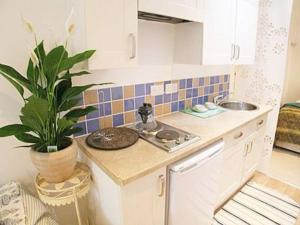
x: 168, y: 138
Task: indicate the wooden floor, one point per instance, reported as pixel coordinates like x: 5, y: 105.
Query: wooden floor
x: 281, y: 187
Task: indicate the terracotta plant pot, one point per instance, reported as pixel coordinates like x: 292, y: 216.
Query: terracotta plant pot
x: 56, y: 167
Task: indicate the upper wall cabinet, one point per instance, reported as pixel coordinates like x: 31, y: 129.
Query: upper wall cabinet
x: 229, y: 32
x: 111, y: 28
x: 191, y: 10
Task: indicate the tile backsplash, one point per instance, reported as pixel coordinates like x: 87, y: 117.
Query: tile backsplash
x: 118, y: 106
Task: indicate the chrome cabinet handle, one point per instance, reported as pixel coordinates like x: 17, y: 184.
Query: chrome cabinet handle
x: 232, y: 51
x: 162, y: 184
x: 260, y: 122
x: 238, y: 52
x: 246, y: 150
x: 133, y: 48
x: 239, y: 136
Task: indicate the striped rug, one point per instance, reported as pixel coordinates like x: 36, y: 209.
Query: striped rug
x: 258, y: 205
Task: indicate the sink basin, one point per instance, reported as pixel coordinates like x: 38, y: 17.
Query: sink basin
x: 237, y: 105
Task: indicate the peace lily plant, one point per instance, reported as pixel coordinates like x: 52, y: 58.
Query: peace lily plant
x: 48, y: 115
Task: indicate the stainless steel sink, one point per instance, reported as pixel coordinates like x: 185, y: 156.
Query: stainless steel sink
x: 237, y: 105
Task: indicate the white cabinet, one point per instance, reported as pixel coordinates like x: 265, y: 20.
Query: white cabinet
x: 218, y: 31
x: 251, y: 156
x: 144, y: 200
x: 246, y: 29
x: 229, y: 34
x: 111, y: 29
x: 231, y: 172
x: 191, y: 10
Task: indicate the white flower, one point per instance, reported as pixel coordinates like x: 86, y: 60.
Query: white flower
x: 34, y: 58
x: 70, y: 27
x: 28, y: 26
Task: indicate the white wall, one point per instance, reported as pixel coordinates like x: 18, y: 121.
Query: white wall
x: 291, y: 91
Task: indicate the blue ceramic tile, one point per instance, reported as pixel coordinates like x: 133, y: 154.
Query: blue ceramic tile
x: 118, y: 120
x: 117, y: 93
x: 226, y: 78
x: 129, y: 104
x: 200, y: 100
x: 212, y: 80
x: 82, y: 126
x: 182, y: 84
x: 167, y: 98
x: 220, y: 87
x: 104, y: 95
x: 174, y: 106
x: 217, y: 79
x: 101, y: 110
x: 92, y: 125
x: 189, y: 83
x: 195, y: 92
x: 148, y: 88
x: 107, y: 109
x: 139, y: 102
x: 158, y: 99
x: 206, y: 90
x: 211, y: 89
x: 181, y: 105
x: 201, y: 81
x: 139, y: 90
x: 194, y: 101
x: 205, y: 99
x: 94, y: 114
x: 189, y: 93
x: 174, y: 96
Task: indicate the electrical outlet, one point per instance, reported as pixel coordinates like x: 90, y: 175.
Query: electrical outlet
x: 171, y: 88
x: 157, y: 90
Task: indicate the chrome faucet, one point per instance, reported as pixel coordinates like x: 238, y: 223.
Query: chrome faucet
x: 219, y: 99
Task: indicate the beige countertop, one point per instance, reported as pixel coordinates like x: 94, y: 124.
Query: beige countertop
x: 142, y: 158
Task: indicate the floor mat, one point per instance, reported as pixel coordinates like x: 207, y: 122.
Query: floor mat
x: 257, y: 205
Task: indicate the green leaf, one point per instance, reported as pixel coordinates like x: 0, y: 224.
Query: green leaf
x: 76, y: 90
x: 40, y: 52
x: 13, y: 74
x: 36, y: 109
x: 61, y: 88
x: 64, y: 123
x: 53, y: 62
x: 67, y: 105
x: 30, y: 122
x: 19, y: 88
x: 71, y: 61
x: 77, y: 113
x: 71, y: 131
x: 70, y: 75
x: 27, y: 138
x: 13, y: 129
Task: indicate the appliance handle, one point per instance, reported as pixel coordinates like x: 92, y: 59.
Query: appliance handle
x: 199, y: 159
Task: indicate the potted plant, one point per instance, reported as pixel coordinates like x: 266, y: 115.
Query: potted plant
x: 49, y: 114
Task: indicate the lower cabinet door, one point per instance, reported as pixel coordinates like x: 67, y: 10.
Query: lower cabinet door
x: 231, y: 172
x: 252, y: 152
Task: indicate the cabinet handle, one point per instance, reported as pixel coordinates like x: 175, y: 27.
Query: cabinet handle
x: 238, y: 52
x: 162, y: 184
x: 232, y: 51
x: 133, y: 48
x: 239, y: 135
x: 260, y: 122
x: 250, y: 149
x: 246, y: 150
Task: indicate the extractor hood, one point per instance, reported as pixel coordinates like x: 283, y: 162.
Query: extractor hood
x: 160, y: 18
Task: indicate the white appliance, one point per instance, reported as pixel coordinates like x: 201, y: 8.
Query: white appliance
x: 193, y: 184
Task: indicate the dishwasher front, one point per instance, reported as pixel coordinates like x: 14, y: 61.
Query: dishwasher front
x: 193, y: 187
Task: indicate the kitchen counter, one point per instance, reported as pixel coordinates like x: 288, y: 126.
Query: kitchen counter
x: 127, y: 165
